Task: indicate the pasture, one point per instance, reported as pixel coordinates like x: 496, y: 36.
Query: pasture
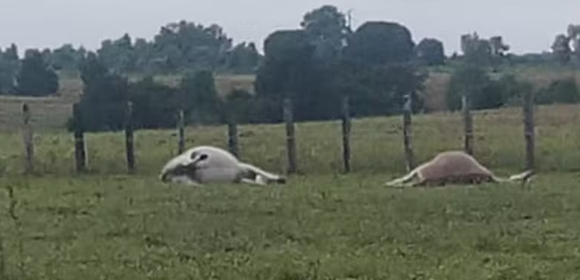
x: 322, y: 225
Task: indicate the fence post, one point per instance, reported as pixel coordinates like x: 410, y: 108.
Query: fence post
x: 3, y: 257
x: 528, y: 110
x: 28, y: 137
x: 80, y: 152
x: 290, y: 138
x: 181, y: 132
x: 407, y: 132
x: 233, y: 137
x: 129, y: 143
x: 346, y: 128
x: 468, y: 124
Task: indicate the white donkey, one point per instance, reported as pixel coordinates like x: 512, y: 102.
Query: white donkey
x: 207, y: 164
x: 454, y: 167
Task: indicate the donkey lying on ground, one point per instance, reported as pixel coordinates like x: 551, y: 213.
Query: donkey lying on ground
x: 453, y: 167
x: 207, y: 164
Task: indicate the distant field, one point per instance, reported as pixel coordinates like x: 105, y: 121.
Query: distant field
x: 52, y: 113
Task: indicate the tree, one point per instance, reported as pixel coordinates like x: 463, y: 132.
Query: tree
x: 242, y: 106
x: 574, y: 37
x: 66, y: 58
x: 118, y: 54
x: 482, y: 91
x: 154, y: 105
x: 498, y: 47
x: 35, y: 78
x: 186, y: 45
x: 498, y: 50
x: 243, y: 58
x: 289, y: 70
x: 105, y: 95
x: 561, y: 49
x: 379, y: 90
x: 326, y: 28
x: 430, y: 52
x: 199, y: 98
x: 380, y: 43
x: 11, y: 53
x: 9, y: 65
x: 476, y: 51
x: 467, y: 80
x: 560, y: 91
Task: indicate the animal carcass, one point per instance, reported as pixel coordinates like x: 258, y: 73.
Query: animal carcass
x: 207, y: 164
x: 453, y: 167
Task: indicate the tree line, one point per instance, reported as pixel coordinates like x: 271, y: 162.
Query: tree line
x: 317, y: 65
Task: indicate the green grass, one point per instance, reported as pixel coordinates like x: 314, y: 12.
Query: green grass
x: 376, y: 144
x: 319, y: 227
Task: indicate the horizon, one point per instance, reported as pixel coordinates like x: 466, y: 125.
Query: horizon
x: 95, y: 23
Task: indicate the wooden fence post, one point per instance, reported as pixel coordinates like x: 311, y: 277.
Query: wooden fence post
x: 28, y: 138
x: 80, y: 152
x: 529, y: 135
x: 3, y: 257
x: 290, y: 137
x: 181, y: 132
x: 407, y: 132
x: 129, y: 143
x: 233, y: 137
x: 346, y: 128
x: 468, y: 124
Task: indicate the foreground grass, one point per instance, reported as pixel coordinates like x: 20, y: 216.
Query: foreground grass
x: 322, y: 227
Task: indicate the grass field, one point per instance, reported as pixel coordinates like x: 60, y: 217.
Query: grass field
x: 321, y: 225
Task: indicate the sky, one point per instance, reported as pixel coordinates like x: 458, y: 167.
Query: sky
x: 526, y: 25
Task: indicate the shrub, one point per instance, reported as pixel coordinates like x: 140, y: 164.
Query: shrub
x: 484, y: 92
x: 559, y: 91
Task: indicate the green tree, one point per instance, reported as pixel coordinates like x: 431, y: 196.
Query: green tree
x: 574, y: 38
x: 242, y: 106
x: 326, y: 28
x: 9, y: 65
x: 560, y: 91
x: 289, y: 69
x: 467, y: 80
x: 105, y: 95
x: 35, y: 78
x: 380, y: 43
x: 199, y: 98
x: 561, y: 49
x: 118, y: 55
x: 186, y: 45
x: 155, y: 105
x: 66, y: 58
x: 430, y: 52
x: 379, y: 90
x: 482, y: 91
x: 243, y: 58
x: 11, y: 53
x: 476, y: 50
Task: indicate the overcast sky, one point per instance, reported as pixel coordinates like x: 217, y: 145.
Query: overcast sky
x: 526, y: 25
